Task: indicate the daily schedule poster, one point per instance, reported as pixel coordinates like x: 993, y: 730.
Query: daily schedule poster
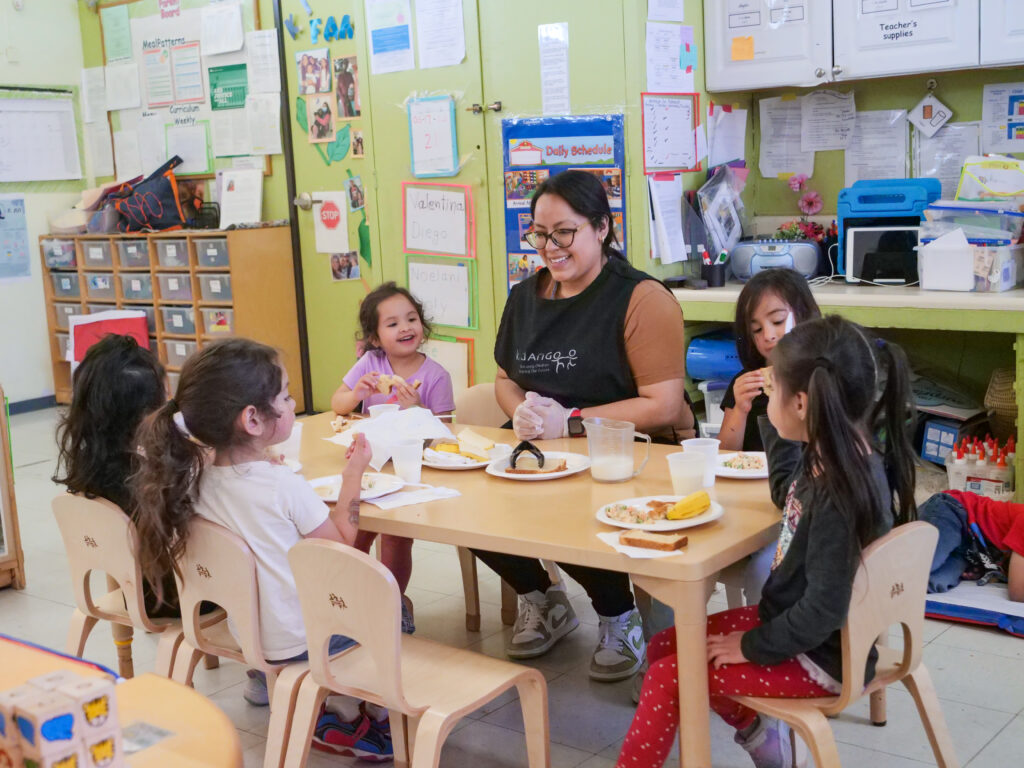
x: 536, y: 148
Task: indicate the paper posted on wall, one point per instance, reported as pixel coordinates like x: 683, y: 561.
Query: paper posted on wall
x: 727, y: 134
x: 827, y: 120
x: 553, y: 40
x: 942, y: 156
x: 878, y: 149
x: 241, y: 196
x: 780, y: 152
x: 1002, y: 117
x: 666, y: 203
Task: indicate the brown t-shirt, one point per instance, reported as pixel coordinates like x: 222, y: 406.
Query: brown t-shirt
x: 655, y: 346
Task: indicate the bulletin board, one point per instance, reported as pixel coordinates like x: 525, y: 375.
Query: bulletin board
x: 183, y: 120
x: 447, y: 288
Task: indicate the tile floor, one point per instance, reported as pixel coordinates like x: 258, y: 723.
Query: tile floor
x: 979, y: 673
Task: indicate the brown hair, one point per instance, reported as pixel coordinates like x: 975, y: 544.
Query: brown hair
x: 369, y: 318
x: 216, y: 385
x: 788, y: 285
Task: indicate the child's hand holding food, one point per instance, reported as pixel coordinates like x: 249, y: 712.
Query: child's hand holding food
x: 406, y: 394
x: 747, y: 387
x: 366, y: 385
x: 358, y: 455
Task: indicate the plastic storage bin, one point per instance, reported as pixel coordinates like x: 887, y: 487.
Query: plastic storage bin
x: 219, y: 322
x: 178, y: 352
x: 63, y: 311
x: 63, y: 340
x: 150, y: 315
x: 96, y: 253
x: 172, y: 253
x: 132, y: 253
x: 172, y: 381
x: 179, y: 319
x: 175, y: 287
x: 59, y: 254
x: 714, y: 394
x: 137, y: 286
x: 215, y: 287
x: 99, y: 286
x: 979, y: 268
x: 65, y: 284
x: 212, y: 252
x: 100, y: 307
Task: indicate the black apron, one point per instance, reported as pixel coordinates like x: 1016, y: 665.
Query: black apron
x: 572, y: 350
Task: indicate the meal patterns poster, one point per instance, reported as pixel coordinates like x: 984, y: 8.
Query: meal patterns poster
x: 536, y: 148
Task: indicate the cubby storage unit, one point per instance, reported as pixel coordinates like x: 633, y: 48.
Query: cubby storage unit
x: 216, y: 284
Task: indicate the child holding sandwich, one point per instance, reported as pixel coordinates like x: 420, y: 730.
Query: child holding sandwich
x: 392, y: 369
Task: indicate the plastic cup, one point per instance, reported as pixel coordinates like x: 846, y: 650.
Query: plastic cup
x: 407, y: 458
x: 377, y: 410
x: 686, y: 471
x: 709, y: 448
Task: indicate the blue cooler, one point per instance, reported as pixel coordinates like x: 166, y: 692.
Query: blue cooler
x: 713, y: 356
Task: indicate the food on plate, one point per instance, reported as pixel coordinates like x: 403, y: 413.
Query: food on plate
x: 528, y: 464
x: 456, y: 449
x: 666, y: 542
x: 697, y: 503
x: 652, y: 512
x: 744, y: 461
x: 328, y: 492
x: 389, y: 381
x: 368, y: 482
x: 339, y: 423
x: 471, y: 442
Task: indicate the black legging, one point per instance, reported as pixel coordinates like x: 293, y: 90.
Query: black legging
x: 608, y: 590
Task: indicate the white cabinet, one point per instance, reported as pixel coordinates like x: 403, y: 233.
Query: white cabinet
x: 762, y: 43
x: 1002, y: 32
x: 873, y: 38
x: 752, y: 44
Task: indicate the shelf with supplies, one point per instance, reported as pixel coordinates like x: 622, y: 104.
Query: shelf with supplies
x: 195, y: 287
x: 899, y: 308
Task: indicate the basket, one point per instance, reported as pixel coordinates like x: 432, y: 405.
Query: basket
x: 1001, y: 402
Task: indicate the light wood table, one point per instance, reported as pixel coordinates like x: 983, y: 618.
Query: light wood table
x: 555, y: 520
x: 202, y: 734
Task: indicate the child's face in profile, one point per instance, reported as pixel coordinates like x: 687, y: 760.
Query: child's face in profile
x: 771, y: 319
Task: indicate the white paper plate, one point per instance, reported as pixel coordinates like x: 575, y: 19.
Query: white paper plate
x: 499, y: 451
x: 382, y: 485
x: 293, y: 465
x: 742, y: 474
x: 574, y: 462
x: 714, y: 513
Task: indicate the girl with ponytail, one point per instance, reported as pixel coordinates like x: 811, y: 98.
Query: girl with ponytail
x: 205, y: 456
x: 840, y: 489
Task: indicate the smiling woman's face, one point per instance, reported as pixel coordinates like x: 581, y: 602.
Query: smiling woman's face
x: 574, y: 267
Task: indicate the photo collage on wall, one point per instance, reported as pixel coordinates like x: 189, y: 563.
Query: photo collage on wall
x: 536, y: 148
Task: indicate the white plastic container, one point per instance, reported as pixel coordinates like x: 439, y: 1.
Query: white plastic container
x: 215, y: 287
x: 175, y: 287
x: 136, y: 286
x: 62, y: 345
x: 714, y: 393
x: 99, y: 285
x: 65, y: 284
x: 212, y: 252
x: 219, y: 321
x: 172, y: 381
x: 172, y: 253
x: 96, y: 253
x: 132, y: 253
x: 178, y: 352
x: 63, y: 311
x: 179, y: 320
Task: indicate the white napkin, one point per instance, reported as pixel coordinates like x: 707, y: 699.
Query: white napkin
x: 612, y: 540
x: 405, y: 498
x: 382, y: 430
x: 444, y: 457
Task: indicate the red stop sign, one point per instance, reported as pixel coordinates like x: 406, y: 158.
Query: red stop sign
x: 330, y: 216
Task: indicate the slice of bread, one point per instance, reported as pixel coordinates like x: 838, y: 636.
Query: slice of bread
x: 665, y: 542
x: 529, y: 467
x: 387, y: 382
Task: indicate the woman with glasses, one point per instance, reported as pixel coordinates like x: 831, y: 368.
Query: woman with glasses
x: 588, y: 335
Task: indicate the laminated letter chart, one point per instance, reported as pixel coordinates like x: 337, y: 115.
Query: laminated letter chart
x: 670, y: 137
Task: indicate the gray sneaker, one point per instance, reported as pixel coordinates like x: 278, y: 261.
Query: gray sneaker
x: 774, y: 745
x: 621, y: 648
x: 543, y: 620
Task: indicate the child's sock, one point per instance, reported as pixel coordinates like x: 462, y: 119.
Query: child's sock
x: 345, y: 707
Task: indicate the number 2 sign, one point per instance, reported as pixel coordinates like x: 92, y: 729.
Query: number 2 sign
x: 432, y: 140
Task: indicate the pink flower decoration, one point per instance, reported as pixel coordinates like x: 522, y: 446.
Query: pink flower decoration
x: 810, y: 203
x: 797, y: 182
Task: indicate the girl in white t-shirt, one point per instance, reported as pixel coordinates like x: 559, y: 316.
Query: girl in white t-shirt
x: 205, y: 455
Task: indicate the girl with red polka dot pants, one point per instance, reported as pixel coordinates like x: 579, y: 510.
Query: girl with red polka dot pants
x: 830, y: 478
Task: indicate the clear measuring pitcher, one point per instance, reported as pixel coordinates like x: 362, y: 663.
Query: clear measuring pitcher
x: 611, y: 449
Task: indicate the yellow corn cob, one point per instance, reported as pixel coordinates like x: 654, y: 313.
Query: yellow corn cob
x: 696, y: 503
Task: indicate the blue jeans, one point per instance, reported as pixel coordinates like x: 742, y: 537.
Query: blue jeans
x: 338, y: 644
x: 949, y: 516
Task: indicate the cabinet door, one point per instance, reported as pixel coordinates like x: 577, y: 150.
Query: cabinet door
x: 876, y: 38
x: 766, y: 43
x: 1002, y: 32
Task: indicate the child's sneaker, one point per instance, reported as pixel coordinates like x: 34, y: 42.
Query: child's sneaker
x: 255, y: 691
x: 362, y: 738
x: 408, y: 619
x: 772, y: 744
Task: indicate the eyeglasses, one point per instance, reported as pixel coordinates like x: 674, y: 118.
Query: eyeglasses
x: 562, y: 238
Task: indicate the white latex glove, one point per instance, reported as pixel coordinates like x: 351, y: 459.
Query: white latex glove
x: 526, y: 424
x: 553, y: 415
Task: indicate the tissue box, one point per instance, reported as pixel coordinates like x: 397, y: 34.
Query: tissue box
x: 967, y: 267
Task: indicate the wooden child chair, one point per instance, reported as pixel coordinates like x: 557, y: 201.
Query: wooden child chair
x: 478, y: 406
x: 99, y: 536
x: 218, y: 567
x: 889, y: 588
x: 427, y: 687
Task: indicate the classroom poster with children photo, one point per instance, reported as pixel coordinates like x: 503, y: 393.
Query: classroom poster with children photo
x: 313, y: 69
x: 521, y: 266
x: 346, y: 86
x: 322, y: 114
x: 344, y: 266
x: 537, y: 147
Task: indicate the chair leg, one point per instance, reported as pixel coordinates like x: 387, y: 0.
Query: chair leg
x: 877, y: 700
x: 123, y: 634
x: 399, y: 737
x: 533, y: 698
x: 166, y: 651
x: 307, y: 705
x: 509, y: 604
x: 734, y: 596
x: 470, y: 588
x: 431, y: 732
x: 282, y: 711
x: 554, y: 574
x: 210, y: 661
x: 78, y: 632
x: 185, y: 661
x: 814, y: 729
x: 919, y: 683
